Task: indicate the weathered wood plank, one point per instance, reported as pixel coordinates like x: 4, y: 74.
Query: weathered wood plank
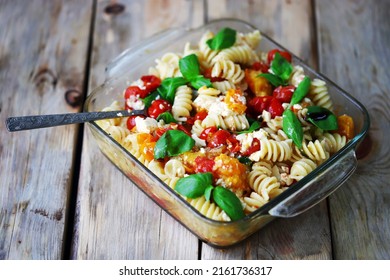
x: 307, y: 236
x: 354, y: 52
x: 43, y: 47
x: 107, y: 201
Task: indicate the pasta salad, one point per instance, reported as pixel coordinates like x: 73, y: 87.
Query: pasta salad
x: 226, y: 126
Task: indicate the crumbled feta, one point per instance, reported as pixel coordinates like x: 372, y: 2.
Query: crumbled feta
x: 146, y: 125
x: 135, y: 103
x: 139, y: 83
x: 220, y: 108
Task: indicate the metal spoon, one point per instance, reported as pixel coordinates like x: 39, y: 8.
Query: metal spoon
x: 41, y: 121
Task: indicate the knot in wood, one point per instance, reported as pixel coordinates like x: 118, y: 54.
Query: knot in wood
x: 114, y: 9
x: 45, y: 75
x: 73, y: 97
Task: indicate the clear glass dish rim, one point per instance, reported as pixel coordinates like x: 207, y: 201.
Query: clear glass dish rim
x: 352, y: 144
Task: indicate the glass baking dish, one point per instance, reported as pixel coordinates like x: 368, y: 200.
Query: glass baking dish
x: 306, y: 193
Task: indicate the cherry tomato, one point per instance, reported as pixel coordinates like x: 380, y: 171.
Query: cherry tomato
x: 160, y: 131
x: 258, y: 65
x: 135, y: 91
x: 284, y: 94
x: 259, y: 103
x: 218, y: 139
x: 158, y: 107
x: 255, y: 146
x: 131, y: 121
x: 201, y: 115
x: 271, y: 55
x: 176, y: 126
x: 151, y: 82
x: 208, y: 131
x: 204, y: 164
x: 233, y: 144
x: 207, y: 74
x: 275, y: 108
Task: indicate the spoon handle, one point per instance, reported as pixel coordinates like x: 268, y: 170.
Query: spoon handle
x: 41, y: 121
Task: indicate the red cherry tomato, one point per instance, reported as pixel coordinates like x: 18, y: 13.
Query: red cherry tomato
x: 201, y: 115
x: 271, y: 55
x: 151, y: 82
x: 135, y: 91
x: 255, y: 146
x: 158, y: 107
x: 284, y: 94
x: 218, y: 139
x: 160, y: 131
x: 275, y: 108
x: 131, y: 121
x: 233, y: 144
x: 259, y: 103
x: 176, y: 126
x: 204, y: 164
x: 208, y: 132
x: 260, y: 66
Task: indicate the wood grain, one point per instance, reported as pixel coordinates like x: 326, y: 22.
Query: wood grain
x: 42, y: 56
x: 115, y: 220
x: 353, y: 47
x: 308, y: 235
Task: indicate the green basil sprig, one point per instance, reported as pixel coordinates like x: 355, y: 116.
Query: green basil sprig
x: 167, y: 117
x: 254, y: 126
x: 273, y: 79
x: 225, y: 38
x: 322, y: 118
x: 301, y: 91
x: 228, y: 202
x: 281, y: 67
x: 150, y: 98
x: 189, y: 67
x: 292, y: 127
x: 281, y: 70
x: 168, y: 87
x: 196, y: 185
x: 173, y: 143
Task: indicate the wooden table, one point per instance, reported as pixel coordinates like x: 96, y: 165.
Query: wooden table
x: 60, y: 198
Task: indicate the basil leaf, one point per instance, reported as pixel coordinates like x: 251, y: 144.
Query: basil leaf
x: 254, y: 126
x: 149, y: 99
x: 292, y: 127
x: 322, y: 118
x: 200, y: 81
x: 274, y: 80
x: 168, y: 87
x: 225, y: 38
x: 208, y: 192
x: 281, y: 67
x: 228, y: 202
x: 194, y: 185
x: 189, y: 67
x: 173, y: 143
x: 166, y: 117
x: 301, y: 91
